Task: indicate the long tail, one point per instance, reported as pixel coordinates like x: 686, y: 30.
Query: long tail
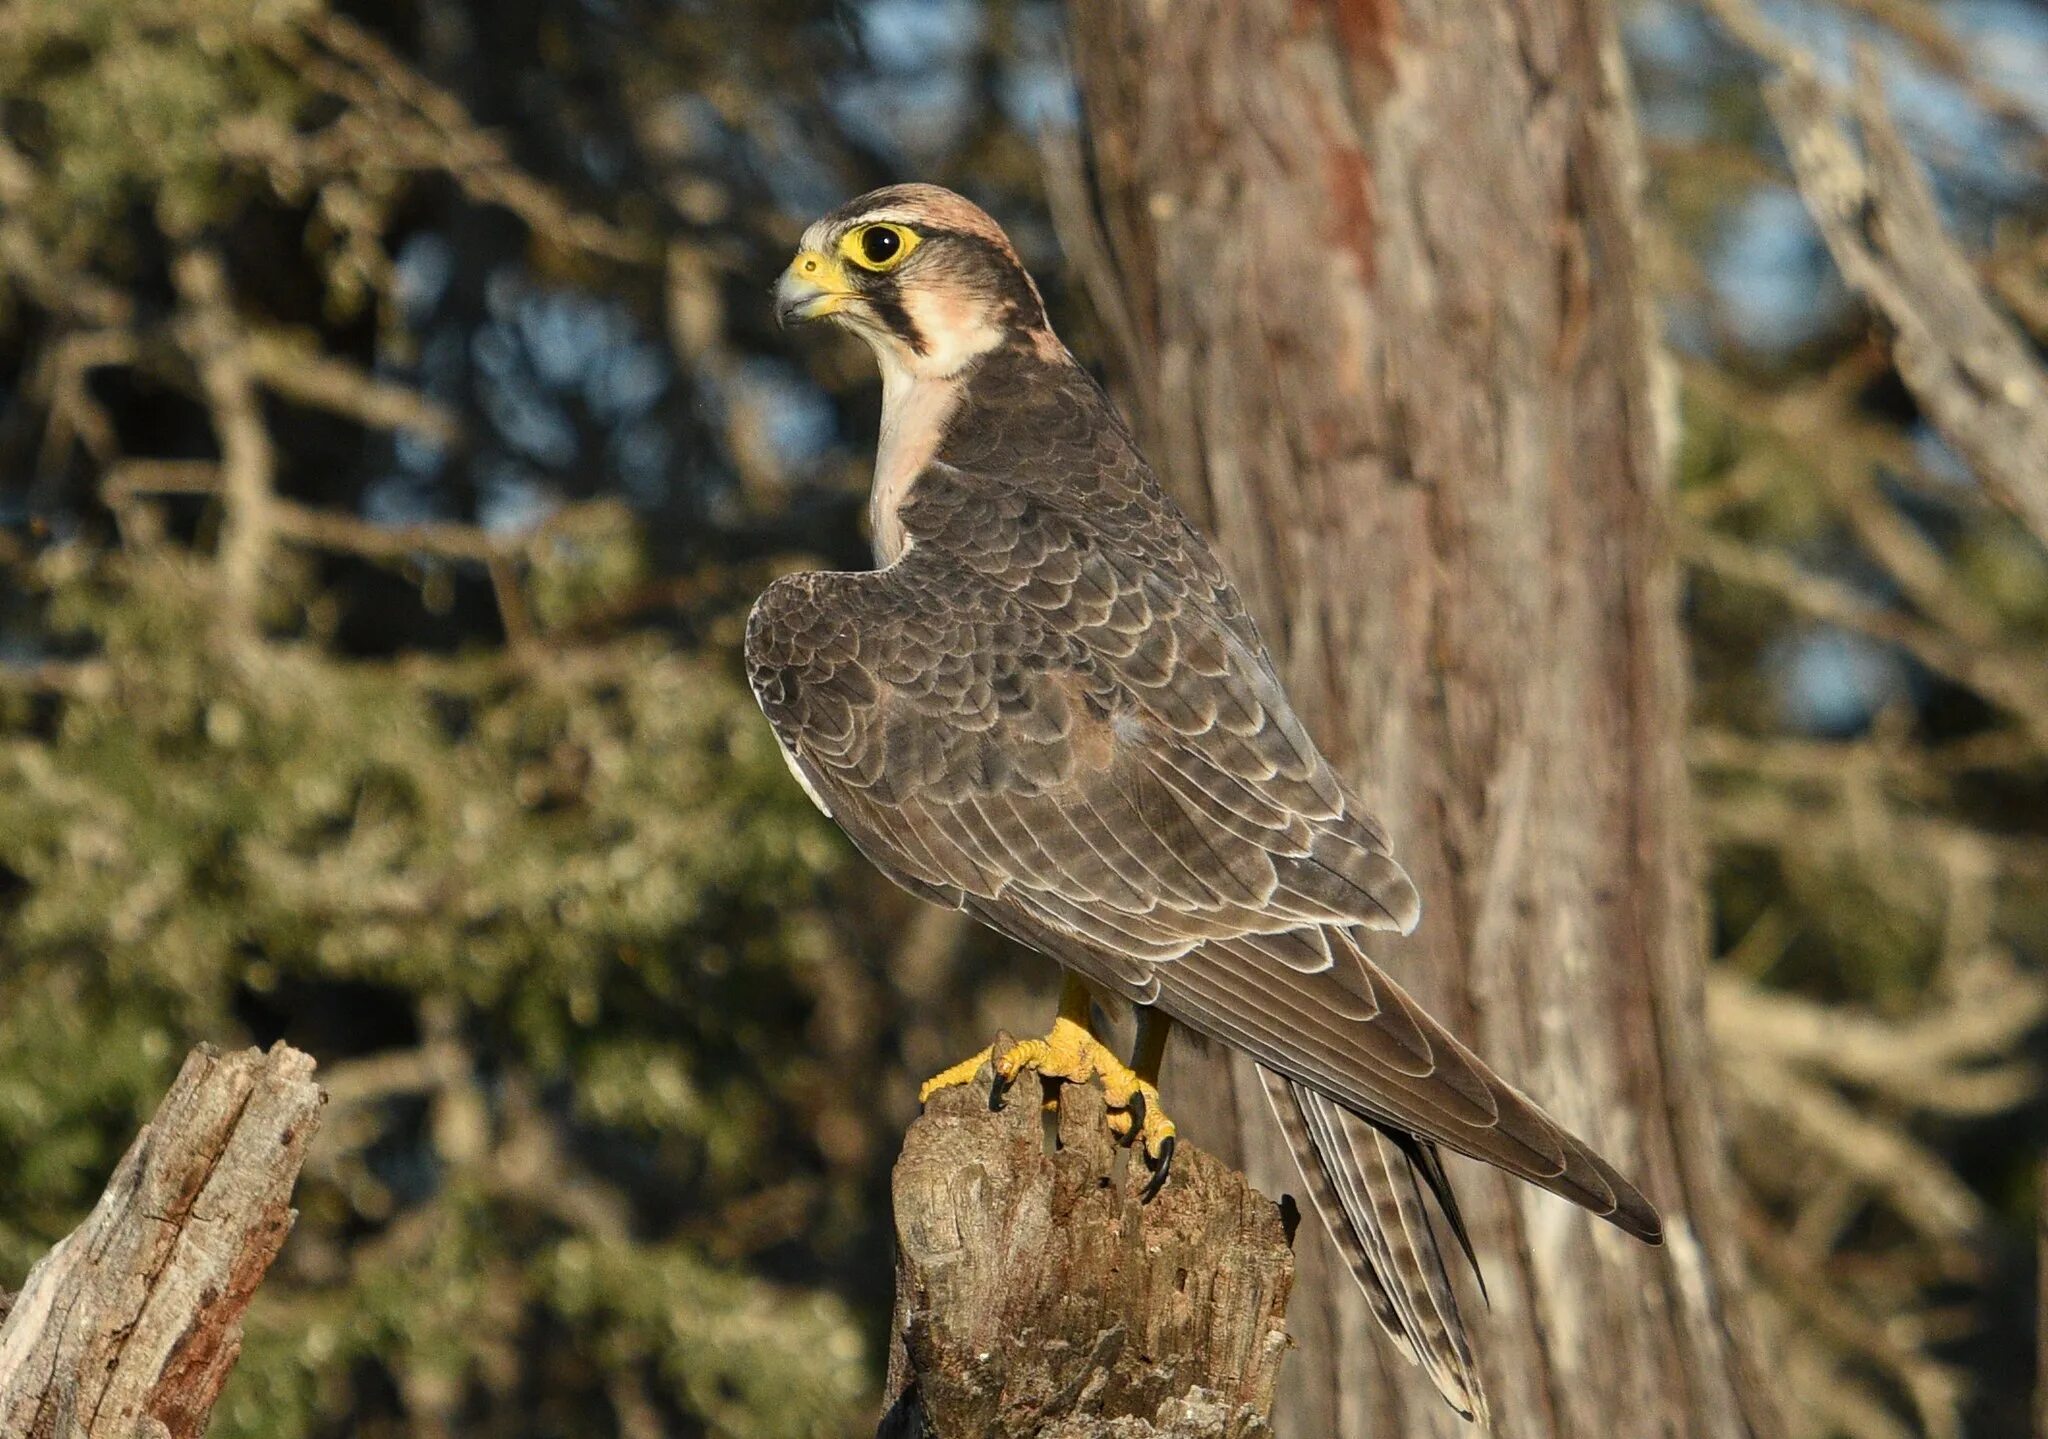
x: 1367, y: 1184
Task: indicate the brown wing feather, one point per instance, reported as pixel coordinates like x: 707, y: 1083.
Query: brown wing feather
x: 1050, y: 809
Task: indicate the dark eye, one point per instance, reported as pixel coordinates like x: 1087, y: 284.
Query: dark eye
x: 879, y: 245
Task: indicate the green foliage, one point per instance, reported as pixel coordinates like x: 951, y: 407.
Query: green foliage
x: 740, y: 1373
x: 133, y: 99
x: 586, y: 883
x: 578, y: 961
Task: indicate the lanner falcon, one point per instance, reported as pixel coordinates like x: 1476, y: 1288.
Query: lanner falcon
x: 1049, y: 708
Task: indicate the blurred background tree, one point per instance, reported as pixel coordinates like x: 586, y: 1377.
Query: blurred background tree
x: 392, y: 436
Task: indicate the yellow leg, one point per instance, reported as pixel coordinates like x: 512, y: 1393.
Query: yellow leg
x: 953, y: 1074
x: 1068, y: 1050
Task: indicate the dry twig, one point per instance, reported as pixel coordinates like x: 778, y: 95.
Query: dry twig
x: 1969, y: 366
x: 212, y: 336
x: 1961, y: 1059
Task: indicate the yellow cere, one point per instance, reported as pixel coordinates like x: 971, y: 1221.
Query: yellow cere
x: 820, y: 270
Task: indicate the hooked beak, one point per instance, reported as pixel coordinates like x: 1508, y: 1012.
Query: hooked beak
x: 811, y: 288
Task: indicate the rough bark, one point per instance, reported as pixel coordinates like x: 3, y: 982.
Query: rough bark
x: 129, y: 1327
x: 1390, y: 343
x: 1037, y: 1295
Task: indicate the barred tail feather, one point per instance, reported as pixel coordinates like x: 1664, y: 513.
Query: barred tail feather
x: 1367, y: 1185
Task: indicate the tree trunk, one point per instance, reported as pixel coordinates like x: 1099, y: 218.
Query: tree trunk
x: 1388, y: 339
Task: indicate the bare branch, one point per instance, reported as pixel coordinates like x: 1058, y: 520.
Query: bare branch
x: 2015, y: 681
x: 1935, y: 1389
x: 1956, y: 1059
x: 1919, y: 771
x: 1079, y: 225
x: 306, y: 376
x: 55, y: 286
x: 1914, y: 1181
x: 409, y: 123
x: 1774, y: 821
x: 332, y: 530
x: 212, y: 335
x: 1969, y: 366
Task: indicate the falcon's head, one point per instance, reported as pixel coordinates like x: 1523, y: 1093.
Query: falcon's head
x: 920, y: 273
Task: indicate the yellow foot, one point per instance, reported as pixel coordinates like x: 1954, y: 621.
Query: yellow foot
x: 1074, y: 1055
x: 1135, y: 1109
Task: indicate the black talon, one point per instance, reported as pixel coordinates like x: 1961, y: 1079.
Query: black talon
x: 997, y: 1085
x: 1136, y: 1109
x: 1158, y: 1180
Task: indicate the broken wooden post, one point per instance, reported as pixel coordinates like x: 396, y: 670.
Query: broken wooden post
x: 1037, y: 1295
x: 130, y: 1326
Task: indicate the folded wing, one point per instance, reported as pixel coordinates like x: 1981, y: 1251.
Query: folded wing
x: 1108, y: 776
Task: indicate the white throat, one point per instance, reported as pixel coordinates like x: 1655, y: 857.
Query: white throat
x: 916, y: 408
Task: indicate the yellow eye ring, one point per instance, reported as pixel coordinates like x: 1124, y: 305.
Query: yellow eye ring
x: 880, y: 247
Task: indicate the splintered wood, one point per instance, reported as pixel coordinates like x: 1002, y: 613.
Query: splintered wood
x: 130, y: 1326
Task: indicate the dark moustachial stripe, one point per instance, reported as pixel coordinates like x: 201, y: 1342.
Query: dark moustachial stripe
x: 885, y: 299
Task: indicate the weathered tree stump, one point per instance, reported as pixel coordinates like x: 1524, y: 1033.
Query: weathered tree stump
x: 1037, y: 1295
x: 130, y: 1326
